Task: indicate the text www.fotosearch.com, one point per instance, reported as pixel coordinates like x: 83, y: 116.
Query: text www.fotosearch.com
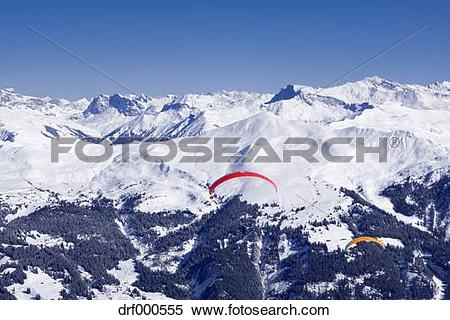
x: 153, y: 309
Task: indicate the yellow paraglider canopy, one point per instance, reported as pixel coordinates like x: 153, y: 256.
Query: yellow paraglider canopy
x: 365, y: 239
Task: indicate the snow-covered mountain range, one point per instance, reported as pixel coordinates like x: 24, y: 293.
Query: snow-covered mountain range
x: 168, y: 237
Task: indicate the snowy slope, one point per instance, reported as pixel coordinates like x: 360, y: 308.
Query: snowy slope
x: 295, y: 111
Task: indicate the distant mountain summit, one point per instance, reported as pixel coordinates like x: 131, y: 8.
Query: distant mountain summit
x: 128, y: 106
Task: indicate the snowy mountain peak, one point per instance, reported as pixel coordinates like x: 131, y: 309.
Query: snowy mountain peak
x: 126, y: 105
x: 379, y: 81
x: 440, y: 86
x: 285, y: 94
x: 446, y: 84
x: 13, y: 100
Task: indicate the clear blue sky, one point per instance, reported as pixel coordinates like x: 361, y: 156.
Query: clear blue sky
x: 160, y: 47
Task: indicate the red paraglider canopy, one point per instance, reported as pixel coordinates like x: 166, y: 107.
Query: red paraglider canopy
x: 240, y: 174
